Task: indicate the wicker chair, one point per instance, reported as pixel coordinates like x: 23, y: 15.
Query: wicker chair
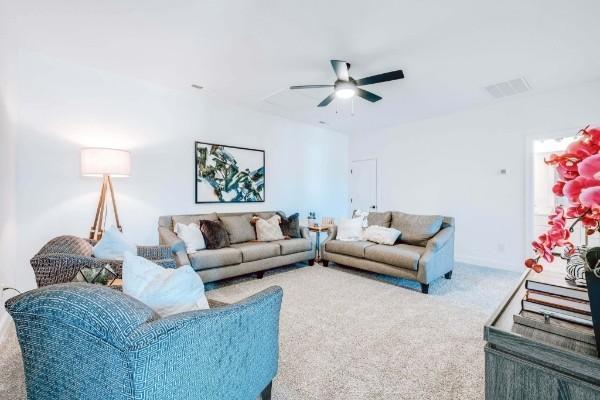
x: 61, y: 258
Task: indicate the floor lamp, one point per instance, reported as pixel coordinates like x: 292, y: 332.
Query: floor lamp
x: 105, y: 163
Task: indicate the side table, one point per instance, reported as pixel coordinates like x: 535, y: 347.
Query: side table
x: 318, y: 229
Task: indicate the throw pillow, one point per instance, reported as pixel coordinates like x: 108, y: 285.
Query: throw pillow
x: 416, y: 229
x: 290, y: 226
x: 166, y: 291
x: 113, y: 245
x: 381, y: 235
x: 215, y: 235
x: 350, y: 229
x: 268, y: 230
x: 380, y: 218
x: 239, y: 228
x: 191, y: 236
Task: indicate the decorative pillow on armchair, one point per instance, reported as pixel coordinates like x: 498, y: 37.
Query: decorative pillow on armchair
x: 113, y: 245
x: 268, y: 230
x: 350, y: 229
x: 290, y: 226
x: 215, y: 235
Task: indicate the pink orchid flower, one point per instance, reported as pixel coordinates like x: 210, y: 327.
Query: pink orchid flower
x: 590, y: 167
x: 590, y: 197
x: 573, y: 188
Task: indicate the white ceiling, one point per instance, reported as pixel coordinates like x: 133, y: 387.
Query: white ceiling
x: 250, y: 51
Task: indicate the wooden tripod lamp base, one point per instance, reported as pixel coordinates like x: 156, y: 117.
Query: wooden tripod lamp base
x: 98, y: 228
x: 105, y: 163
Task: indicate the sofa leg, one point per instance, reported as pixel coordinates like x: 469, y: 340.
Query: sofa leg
x: 325, y: 263
x: 266, y: 393
x: 260, y: 274
x: 311, y: 262
x: 424, y: 288
x: 448, y: 275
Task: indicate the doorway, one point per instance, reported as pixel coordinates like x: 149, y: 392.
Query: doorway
x: 363, y: 185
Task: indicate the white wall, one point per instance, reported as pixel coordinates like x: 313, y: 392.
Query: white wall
x: 451, y: 165
x: 63, y: 107
x: 7, y: 173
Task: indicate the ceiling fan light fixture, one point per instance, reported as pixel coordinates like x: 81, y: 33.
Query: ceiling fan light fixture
x: 345, y: 90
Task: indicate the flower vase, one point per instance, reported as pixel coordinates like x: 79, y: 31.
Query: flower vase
x: 593, y: 286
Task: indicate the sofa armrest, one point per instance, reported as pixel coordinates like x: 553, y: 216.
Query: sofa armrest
x: 331, y: 234
x: 304, y: 232
x: 438, y: 257
x: 235, y: 346
x: 168, y: 238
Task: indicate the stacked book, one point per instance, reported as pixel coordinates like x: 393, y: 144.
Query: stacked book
x: 557, y: 306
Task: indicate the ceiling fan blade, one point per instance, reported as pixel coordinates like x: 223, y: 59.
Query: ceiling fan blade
x: 327, y: 100
x: 341, y: 69
x: 372, y: 97
x: 310, y: 86
x: 388, y: 76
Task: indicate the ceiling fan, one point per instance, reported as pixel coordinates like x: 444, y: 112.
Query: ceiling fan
x: 346, y: 87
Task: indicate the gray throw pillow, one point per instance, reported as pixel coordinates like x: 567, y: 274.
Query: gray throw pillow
x: 416, y: 229
x: 380, y: 218
x: 239, y: 228
x: 290, y: 226
x: 215, y: 235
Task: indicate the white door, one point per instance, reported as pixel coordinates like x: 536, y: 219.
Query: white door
x: 363, y: 185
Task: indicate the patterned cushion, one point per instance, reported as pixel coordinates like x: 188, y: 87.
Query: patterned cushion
x: 253, y: 251
x: 401, y: 255
x: 290, y: 226
x: 292, y: 246
x: 268, y: 230
x: 416, y: 229
x: 215, y: 235
x: 205, y: 259
x: 239, y: 228
x: 380, y: 219
x: 354, y: 249
x: 68, y: 245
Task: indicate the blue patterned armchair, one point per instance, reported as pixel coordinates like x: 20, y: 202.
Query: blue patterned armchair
x: 83, y: 341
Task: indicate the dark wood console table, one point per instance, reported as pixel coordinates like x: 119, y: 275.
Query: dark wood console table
x: 525, y: 363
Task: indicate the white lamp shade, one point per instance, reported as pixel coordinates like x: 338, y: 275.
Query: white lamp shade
x: 100, y: 162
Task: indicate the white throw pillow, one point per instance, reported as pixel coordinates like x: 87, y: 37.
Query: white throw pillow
x: 381, y: 235
x: 191, y: 236
x: 167, y: 291
x: 350, y: 229
x: 113, y: 245
x: 269, y: 230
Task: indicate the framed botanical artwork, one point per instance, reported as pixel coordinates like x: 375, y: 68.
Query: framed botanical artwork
x: 229, y: 174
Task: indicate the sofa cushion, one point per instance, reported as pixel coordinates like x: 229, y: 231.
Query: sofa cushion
x: 292, y: 246
x: 355, y: 249
x: 380, y: 219
x: 266, y: 215
x: 416, y: 229
x: 188, y: 219
x: 252, y: 251
x: 400, y: 255
x: 238, y: 227
x: 205, y: 259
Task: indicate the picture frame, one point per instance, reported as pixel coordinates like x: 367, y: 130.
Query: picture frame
x: 228, y: 174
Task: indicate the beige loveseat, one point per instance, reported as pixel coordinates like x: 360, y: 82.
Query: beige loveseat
x: 424, y: 252
x: 240, y: 258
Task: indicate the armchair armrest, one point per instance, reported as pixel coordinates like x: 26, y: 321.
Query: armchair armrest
x: 168, y: 238
x: 155, y: 252
x: 235, y: 346
x: 331, y: 233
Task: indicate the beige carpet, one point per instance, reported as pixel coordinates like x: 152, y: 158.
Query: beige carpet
x: 352, y: 335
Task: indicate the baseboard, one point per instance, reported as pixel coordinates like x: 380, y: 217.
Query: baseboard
x: 484, y: 262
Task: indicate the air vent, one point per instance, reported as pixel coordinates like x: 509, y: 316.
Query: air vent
x: 508, y: 88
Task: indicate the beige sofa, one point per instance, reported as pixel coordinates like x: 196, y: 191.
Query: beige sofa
x: 425, y: 250
x: 240, y: 258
